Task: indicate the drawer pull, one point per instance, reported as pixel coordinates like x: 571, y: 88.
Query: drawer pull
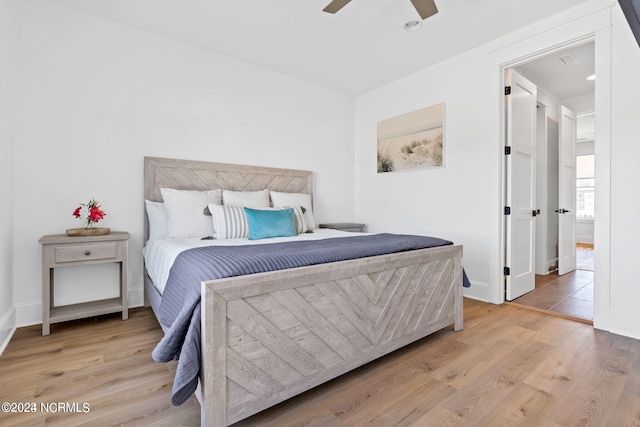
x: 87, y: 253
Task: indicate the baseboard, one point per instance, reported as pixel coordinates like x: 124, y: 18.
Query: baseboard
x: 477, y: 299
x: 620, y: 323
x: 584, y: 240
x: 478, y: 291
x: 7, y: 328
x: 135, y: 297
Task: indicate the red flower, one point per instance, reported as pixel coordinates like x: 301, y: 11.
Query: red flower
x: 90, y: 212
x: 96, y: 214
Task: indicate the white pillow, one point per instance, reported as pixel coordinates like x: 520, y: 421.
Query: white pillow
x: 230, y: 222
x: 185, y: 212
x: 157, y: 215
x: 295, y: 199
x: 248, y: 199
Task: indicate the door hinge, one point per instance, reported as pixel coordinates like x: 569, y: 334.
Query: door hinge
x: 507, y: 90
x: 507, y: 210
x: 507, y: 150
x: 507, y: 271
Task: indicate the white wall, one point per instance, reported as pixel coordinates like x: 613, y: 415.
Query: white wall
x: 620, y: 309
x: 459, y: 202
x: 95, y: 97
x: 7, y: 56
x: 463, y: 201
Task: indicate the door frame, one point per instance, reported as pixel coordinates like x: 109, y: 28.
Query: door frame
x: 601, y: 40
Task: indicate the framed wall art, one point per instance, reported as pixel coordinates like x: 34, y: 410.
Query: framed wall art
x: 412, y: 140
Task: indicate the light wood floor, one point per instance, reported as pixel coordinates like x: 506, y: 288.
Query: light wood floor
x: 105, y: 362
x: 509, y: 366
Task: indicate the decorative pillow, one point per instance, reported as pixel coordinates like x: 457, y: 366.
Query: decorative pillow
x: 157, y: 215
x: 229, y: 222
x: 248, y: 199
x: 298, y: 216
x: 296, y: 199
x: 185, y: 212
x: 264, y: 224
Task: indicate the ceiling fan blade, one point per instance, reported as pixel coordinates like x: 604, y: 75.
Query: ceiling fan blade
x: 425, y: 8
x: 335, y: 6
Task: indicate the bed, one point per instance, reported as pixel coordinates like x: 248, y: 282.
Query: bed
x: 268, y: 336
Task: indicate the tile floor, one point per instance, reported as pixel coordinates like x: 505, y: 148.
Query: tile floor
x: 570, y: 295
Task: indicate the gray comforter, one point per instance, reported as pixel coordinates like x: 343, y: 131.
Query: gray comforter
x: 180, y: 308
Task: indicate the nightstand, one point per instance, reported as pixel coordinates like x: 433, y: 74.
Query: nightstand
x: 345, y: 226
x: 60, y: 250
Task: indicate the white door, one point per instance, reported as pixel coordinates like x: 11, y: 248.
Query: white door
x: 567, y: 194
x: 520, y: 185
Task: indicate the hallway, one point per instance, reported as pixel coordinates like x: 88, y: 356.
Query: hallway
x: 568, y: 296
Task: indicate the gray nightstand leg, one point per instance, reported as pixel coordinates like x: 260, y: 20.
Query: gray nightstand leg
x: 124, y: 287
x: 47, y: 280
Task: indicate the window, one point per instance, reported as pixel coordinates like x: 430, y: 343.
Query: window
x: 585, y: 186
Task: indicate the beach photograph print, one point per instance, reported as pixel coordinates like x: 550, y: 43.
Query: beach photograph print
x: 412, y: 141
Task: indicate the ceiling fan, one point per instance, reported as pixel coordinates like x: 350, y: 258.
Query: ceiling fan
x: 425, y: 8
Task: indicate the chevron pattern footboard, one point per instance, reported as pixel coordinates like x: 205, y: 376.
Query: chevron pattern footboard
x: 268, y: 337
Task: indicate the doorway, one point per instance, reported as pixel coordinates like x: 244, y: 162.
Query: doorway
x: 561, y: 79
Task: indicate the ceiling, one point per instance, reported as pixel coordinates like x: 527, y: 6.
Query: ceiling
x: 360, y: 48
x: 563, y: 73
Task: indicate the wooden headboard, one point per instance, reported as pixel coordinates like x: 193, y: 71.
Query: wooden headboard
x: 198, y: 175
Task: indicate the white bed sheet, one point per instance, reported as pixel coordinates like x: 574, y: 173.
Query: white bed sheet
x: 159, y: 255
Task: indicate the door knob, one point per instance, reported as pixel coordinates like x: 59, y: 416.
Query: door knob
x: 562, y: 211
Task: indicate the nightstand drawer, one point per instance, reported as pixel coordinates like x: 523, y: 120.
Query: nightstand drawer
x: 70, y: 253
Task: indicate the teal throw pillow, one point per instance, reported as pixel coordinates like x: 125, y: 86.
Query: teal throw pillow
x: 264, y: 224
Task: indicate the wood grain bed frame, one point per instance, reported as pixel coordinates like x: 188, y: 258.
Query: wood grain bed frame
x: 270, y: 336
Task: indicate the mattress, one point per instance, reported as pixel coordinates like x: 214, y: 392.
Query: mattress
x: 159, y: 255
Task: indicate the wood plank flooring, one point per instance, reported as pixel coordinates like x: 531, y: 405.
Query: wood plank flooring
x: 105, y: 362
x: 509, y: 366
